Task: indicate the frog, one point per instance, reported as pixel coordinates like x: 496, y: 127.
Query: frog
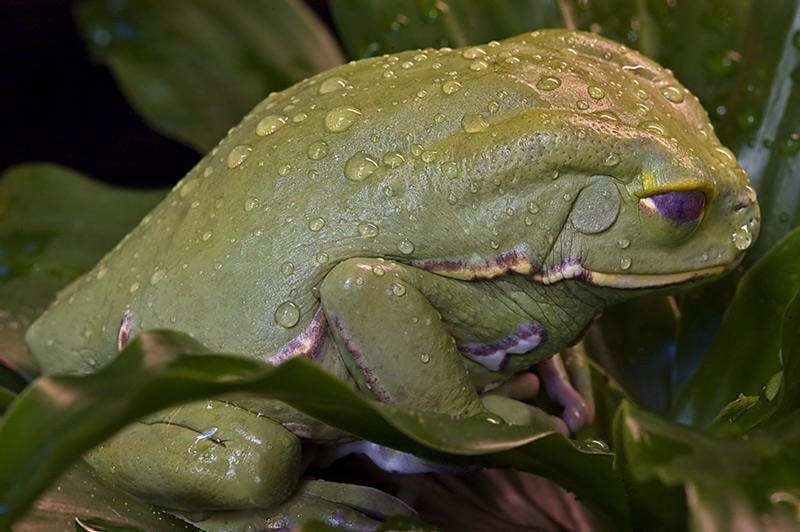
x: 436, y: 228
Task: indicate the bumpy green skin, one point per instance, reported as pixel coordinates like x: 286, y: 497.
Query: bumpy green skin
x: 429, y: 200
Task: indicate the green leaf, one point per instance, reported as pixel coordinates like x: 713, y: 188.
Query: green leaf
x: 737, y: 483
x: 634, y: 343
x: 161, y: 368
x: 192, y: 70
x: 746, y: 353
x: 373, y: 27
x: 55, y: 224
x: 762, y: 119
x: 79, y: 496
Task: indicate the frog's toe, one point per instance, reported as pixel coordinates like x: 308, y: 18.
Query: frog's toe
x: 578, y: 410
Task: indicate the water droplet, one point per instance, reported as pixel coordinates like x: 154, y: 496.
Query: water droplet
x: 673, y: 94
x: 624, y: 243
x: 187, y: 187
x: 332, y: 84
x: 625, y: 263
x: 378, y: 270
x: 450, y: 169
x: 393, y: 159
x: 596, y: 92
x: 299, y: 117
x: 250, y: 204
x: 389, y: 74
x: 208, y: 171
x: 398, y: 289
x: 269, y: 125
x: 473, y: 123
x: 287, y: 314
x: 322, y: 257
x: 425, y: 358
x: 478, y: 65
x: 287, y: 268
x: 725, y: 156
x: 452, y: 199
x: 439, y: 118
x: 582, y: 105
x: 548, y: 83
x: 206, y: 236
x: 406, y: 65
x: 742, y: 238
x: 134, y: 287
x: 318, y: 150
x: 473, y: 52
x: 157, y: 276
x: 405, y: 246
x: 341, y: 118
x: 611, y: 160
x: 316, y: 224
x: 417, y: 149
x: 533, y: 207
x: 359, y: 167
x: 429, y: 156
x: 238, y: 154
x: 451, y: 86
x: 367, y: 229
x: 284, y: 170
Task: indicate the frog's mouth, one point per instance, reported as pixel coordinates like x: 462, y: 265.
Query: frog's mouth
x: 573, y: 269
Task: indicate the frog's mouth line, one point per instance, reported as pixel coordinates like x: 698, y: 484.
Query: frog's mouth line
x: 572, y: 269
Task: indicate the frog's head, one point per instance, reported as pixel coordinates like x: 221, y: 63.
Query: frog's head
x: 680, y: 218
x: 656, y: 199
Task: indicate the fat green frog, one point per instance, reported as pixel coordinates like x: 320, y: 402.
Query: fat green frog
x: 433, y: 227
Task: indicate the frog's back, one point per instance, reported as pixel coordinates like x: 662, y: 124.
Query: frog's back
x: 413, y: 156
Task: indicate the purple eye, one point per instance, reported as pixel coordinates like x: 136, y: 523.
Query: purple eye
x: 672, y: 216
x: 679, y: 207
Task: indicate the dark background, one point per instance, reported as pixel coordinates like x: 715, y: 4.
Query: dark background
x: 56, y: 105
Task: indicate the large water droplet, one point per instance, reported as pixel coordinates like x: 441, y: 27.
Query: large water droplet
x: 359, y: 167
x: 287, y: 314
x: 473, y: 123
x: 451, y: 86
x: 548, y: 83
x: 405, y: 246
x: 742, y: 238
x: 673, y: 94
x: 238, y: 154
x: 287, y: 268
x: 316, y: 224
x: 332, y: 84
x: 596, y: 92
x: 398, y: 289
x: 341, y: 118
x: 157, y: 276
x: 318, y: 150
x: 625, y: 263
x: 269, y: 125
x: 367, y: 229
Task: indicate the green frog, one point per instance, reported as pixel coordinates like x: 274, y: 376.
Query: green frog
x: 432, y: 227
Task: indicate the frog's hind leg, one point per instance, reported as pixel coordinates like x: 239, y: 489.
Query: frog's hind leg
x: 207, y: 456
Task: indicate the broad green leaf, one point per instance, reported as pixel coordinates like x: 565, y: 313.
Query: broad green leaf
x: 746, y: 352
x: 762, y: 119
x: 80, y: 494
x: 736, y: 483
x: 193, y: 69
x: 634, y: 343
x: 162, y: 368
x: 54, y: 225
x: 374, y: 27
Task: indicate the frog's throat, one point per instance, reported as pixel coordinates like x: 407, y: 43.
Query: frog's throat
x: 571, y: 268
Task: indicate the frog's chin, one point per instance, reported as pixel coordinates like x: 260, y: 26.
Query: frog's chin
x: 573, y: 269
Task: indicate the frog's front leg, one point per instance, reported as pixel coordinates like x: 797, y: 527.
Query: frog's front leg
x: 397, y: 326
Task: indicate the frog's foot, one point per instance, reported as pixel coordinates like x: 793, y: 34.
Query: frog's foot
x: 344, y: 506
x: 566, y: 380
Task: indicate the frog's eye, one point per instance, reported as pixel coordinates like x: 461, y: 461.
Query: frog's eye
x: 672, y: 216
